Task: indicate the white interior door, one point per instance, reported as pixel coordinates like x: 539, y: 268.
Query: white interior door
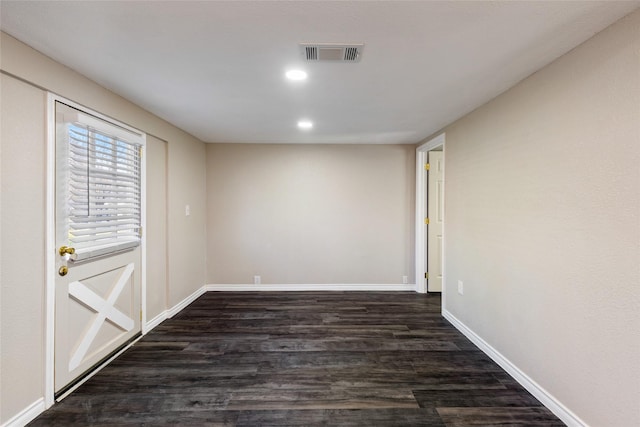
x: 435, y: 214
x: 98, y: 228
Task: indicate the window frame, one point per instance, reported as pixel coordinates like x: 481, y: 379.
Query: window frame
x: 117, y: 131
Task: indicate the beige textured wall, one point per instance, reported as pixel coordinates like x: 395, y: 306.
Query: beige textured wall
x: 22, y: 238
x: 23, y: 218
x: 543, y: 226
x: 157, y: 227
x: 310, y: 214
x: 187, y: 234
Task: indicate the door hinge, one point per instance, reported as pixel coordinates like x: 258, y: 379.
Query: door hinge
x: 427, y: 166
x: 140, y: 232
x: 426, y: 275
x: 426, y: 221
x: 141, y: 315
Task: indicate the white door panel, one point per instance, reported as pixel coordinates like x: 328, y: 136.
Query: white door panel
x: 96, y: 311
x: 97, y: 298
x: 436, y: 220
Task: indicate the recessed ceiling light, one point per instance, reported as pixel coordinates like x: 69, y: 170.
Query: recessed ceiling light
x: 296, y: 75
x: 305, y: 124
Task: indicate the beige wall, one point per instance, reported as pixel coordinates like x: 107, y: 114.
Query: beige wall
x: 157, y: 227
x: 22, y: 241
x: 543, y: 226
x: 187, y: 234
x: 23, y: 209
x: 310, y: 214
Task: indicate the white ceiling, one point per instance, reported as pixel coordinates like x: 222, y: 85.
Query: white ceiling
x: 216, y: 68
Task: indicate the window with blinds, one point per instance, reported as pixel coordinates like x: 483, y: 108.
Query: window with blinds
x: 102, y: 209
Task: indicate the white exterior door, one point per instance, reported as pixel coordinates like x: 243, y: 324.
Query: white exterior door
x: 98, y: 244
x: 436, y: 220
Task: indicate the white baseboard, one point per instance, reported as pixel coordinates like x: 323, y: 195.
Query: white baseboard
x: 169, y: 313
x: 548, y: 400
x: 155, y: 321
x: 27, y: 415
x: 308, y: 287
x: 185, y: 302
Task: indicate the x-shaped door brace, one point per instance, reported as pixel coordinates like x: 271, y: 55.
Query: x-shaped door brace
x: 104, y: 308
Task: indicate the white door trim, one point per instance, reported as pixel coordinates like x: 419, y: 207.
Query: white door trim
x: 50, y: 260
x: 50, y: 255
x: 421, y: 212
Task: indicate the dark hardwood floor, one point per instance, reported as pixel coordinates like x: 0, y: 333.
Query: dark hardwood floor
x: 303, y: 358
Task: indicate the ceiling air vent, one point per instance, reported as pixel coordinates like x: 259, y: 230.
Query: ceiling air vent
x: 311, y: 53
x: 332, y: 52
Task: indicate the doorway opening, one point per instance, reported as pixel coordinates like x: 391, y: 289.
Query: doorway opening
x: 429, y: 262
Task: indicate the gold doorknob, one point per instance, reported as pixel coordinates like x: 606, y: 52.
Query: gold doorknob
x: 63, y: 270
x: 66, y: 250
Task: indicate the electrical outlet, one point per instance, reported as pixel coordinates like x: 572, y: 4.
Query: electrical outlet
x: 187, y: 210
x: 256, y: 280
x: 460, y: 287
x: 405, y: 280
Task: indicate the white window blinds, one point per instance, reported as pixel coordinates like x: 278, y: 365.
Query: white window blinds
x: 102, y: 212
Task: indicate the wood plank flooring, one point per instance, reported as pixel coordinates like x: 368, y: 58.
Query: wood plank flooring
x: 303, y: 359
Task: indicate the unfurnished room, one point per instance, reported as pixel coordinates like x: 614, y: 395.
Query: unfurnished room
x: 300, y: 213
